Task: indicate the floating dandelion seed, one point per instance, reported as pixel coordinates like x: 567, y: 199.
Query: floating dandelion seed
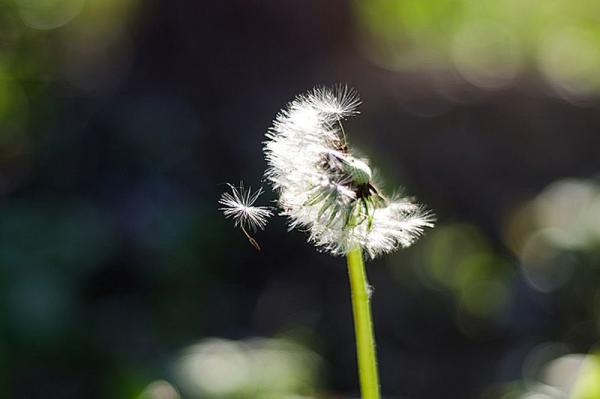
x: 327, y: 190
x: 239, y: 205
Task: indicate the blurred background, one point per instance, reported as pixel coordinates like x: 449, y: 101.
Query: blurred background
x: 121, y: 120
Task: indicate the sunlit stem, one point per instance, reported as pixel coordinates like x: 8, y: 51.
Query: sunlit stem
x: 363, y: 326
x: 252, y: 240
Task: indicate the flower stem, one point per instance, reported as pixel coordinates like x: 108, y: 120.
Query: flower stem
x: 363, y: 326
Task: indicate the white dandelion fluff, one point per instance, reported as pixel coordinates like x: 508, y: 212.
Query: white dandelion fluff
x: 338, y: 103
x: 239, y: 205
x: 328, y: 191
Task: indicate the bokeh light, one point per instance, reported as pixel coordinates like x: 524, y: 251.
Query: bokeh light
x: 48, y: 14
x: 550, y: 231
x: 459, y: 258
x: 490, y: 43
x: 254, y: 368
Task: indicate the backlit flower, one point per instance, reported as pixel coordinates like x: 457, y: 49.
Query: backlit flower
x: 328, y: 191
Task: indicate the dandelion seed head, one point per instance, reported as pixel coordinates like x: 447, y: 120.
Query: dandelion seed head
x: 327, y: 191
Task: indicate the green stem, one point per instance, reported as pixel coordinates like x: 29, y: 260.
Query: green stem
x: 363, y: 326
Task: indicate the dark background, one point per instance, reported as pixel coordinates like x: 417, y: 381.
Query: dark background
x: 121, y: 122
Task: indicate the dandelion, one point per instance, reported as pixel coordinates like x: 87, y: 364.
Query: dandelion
x: 328, y: 191
x: 239, y: 205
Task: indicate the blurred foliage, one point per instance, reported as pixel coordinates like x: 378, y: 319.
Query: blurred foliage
x: 254, y: 368
x: 121, y: 119
x: 587, y: 385
x: 554, y: 240
x: 80, y: 46
x: 460, y: 258
x: 489, y: 43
